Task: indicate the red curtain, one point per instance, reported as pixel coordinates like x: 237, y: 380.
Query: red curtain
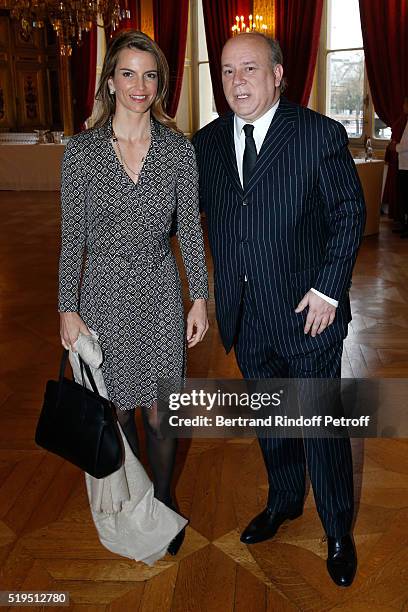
x: 83, y: 66
x: 384, y: 24
x: 297, y: 28
x: 170, y: 33
x: 219, y: 18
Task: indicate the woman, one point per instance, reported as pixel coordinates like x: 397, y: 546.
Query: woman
x: 121, y: 184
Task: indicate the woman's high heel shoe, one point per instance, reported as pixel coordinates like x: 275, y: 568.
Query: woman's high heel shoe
x: 176, y: 542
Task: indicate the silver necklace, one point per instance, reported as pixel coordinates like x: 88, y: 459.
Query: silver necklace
x: 122, y: 159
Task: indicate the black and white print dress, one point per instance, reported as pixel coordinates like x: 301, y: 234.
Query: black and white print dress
x: 116, y: 266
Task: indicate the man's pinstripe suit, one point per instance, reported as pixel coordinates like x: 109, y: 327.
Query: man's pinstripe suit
x: 297, y: 225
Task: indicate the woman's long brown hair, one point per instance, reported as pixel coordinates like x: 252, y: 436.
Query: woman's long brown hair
x: 133, y: 39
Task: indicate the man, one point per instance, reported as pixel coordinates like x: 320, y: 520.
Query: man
x: 285, y: 218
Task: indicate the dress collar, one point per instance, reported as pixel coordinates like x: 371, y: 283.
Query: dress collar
x: 105, y: 131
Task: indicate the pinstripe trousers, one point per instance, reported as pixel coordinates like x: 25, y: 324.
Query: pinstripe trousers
x: 328, y: 460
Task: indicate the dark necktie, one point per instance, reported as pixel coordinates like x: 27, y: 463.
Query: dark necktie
x: 250, y: 154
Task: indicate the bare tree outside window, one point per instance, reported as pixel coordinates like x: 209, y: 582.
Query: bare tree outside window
x: 346, y: 89
x: 348, y: 98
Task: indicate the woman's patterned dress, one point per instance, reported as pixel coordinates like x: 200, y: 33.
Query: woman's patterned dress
x: 116, y: 266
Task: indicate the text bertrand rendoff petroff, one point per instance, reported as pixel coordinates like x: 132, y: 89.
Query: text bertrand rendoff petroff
x: 269, y: 421
x: 254, y: 401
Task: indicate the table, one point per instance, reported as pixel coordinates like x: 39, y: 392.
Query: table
x: 38, y: 168
x: 30, y: 167
x: 371, y: 177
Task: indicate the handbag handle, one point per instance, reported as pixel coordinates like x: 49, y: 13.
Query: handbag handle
x: 83, y: 366
x: 89, y: 375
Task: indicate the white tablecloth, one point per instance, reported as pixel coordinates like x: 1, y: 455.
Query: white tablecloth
x: 371, y: 177
x: 30, y: 167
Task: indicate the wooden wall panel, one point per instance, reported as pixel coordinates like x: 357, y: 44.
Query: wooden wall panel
x: 30, y: 95
x: 29, y: 78
x: 26, y: 41
x: 4, y: 32
x: 7, y: 103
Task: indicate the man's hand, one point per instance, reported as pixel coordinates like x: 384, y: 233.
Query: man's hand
x: 321, y: 314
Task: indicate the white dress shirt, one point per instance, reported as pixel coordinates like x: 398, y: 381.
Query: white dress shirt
x: 261, y: 126
x: 402, y: 150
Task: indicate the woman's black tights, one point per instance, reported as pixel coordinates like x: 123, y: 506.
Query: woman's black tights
x: 127, y: 421
x: 160, y: 451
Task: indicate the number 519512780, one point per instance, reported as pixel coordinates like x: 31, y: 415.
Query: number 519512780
x: 33, y: 598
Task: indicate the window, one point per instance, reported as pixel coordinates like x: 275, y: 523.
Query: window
x: 343, y: 88
x: 207, y: 110
x: 343, y: 78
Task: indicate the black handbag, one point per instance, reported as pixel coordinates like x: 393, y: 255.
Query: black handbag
x: 80, y: 425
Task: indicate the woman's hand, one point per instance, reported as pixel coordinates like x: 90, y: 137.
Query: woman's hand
x: 197, y: 322
x: 71, y: 325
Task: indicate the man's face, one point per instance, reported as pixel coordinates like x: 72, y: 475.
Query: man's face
x: 249, y: 80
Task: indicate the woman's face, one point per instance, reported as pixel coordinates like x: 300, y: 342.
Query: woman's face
x: 135, y: 80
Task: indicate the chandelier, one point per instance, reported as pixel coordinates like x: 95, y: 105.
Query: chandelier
x: 69, y: 18
x: 254, y: 25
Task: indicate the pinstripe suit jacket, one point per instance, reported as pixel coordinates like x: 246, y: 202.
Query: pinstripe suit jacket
x: 298, y: 224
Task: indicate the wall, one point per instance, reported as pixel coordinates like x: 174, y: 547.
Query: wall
x: 29, y: 78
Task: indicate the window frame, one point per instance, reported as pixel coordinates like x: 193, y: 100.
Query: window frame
x: 368, y: 123
x: 198, y: 62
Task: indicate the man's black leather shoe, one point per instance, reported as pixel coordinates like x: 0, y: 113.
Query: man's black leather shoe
x: 265, y: 525
x: 341, y: 560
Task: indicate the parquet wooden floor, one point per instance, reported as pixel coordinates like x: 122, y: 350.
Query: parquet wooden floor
x: 47, y: 539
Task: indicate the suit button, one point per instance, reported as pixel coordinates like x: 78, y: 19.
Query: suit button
x: 244, y: 240
x: 245, y: 202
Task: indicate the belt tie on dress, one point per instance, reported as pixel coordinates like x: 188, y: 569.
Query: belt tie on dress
x: 152, y: 248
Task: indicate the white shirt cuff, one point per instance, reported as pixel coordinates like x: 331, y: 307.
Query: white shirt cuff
x: 325, y: 297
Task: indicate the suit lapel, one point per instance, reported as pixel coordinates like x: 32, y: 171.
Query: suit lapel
x: 280, y: 132
x: 226, y: 147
